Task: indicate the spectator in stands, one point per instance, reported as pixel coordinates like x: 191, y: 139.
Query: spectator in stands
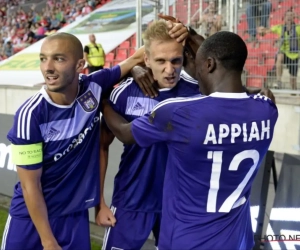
x: 261, y: 8
x: 8, y: 49
x: 54, y: 23
x: 87, y: 9
x: 94, y: 55
x: 18, y: 26
x: 211, y: 20
x: 288, y: 53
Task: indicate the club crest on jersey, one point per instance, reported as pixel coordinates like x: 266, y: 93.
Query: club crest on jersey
x: 88, y: 101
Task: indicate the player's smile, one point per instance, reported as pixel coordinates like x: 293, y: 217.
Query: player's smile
x: 51, y: 79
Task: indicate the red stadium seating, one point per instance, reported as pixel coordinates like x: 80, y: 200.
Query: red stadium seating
x: 255, y: 82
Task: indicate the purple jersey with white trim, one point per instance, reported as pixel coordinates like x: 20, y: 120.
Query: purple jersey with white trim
x: 216, y: 144
x: 139, y: 182
x: 70, y: 136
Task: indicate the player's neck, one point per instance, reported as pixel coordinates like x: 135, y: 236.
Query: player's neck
x: 65, y: 97
x: 189, y: 71
x: 228, y: 82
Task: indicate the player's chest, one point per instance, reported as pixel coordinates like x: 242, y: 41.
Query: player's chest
x: 139, y: 106
x: 61, y: 125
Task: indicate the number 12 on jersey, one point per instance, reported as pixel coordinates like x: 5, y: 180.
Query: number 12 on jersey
x: 217, y: 158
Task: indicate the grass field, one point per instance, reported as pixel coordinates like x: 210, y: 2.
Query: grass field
x: 3, y: 217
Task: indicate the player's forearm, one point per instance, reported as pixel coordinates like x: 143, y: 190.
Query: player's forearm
x: 135, y: 59
x: 103, y: 169
x: 37, y: 209
x: 118, y: 125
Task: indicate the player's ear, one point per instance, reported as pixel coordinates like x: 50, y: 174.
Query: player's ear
x: 146, y: 59
x: 211, y: 64
x: 80, y: 65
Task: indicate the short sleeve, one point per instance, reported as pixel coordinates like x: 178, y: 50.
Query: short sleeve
x: 106, y: 78
x: 26, y: 139
x: 154, y: 127
x: 86, y: 49
x: 119, y: 95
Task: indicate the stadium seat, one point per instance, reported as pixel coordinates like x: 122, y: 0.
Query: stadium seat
x: 242, y: 26
x: 253, y: 52
x: 121, y: 57
x: 122, y: 52
x: 255, y: 82
x: 133, y: 41
x: 285, y: 5
x: 131, y: 51
x: 110, y: 57
x: 260, y: 70
x: 251, y: 63
x: 267, y: 49
x: 125, y: 44
x: 270, y: 62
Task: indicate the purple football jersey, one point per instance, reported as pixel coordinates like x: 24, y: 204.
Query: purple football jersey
x: 70, y: 135
x: 216, y: 144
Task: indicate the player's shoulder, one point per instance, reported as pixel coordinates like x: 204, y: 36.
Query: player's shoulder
x: 122, y: 90
x: 173, y: 104
x: 32, y: 106
x: 187, y: 78
x: 263, y: 99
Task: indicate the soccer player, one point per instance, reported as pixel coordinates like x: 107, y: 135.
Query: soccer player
x: 55, y: 145
x: 216, y: 144
x: 137, y: 196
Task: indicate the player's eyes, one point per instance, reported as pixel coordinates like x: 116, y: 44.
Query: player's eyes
x: 60, y: 59
x: 160, y: 61
x: 177, y: 61
x: 42, y: 59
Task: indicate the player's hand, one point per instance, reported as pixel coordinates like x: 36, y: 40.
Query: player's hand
x: 144, y: 78
x: 177, y: 29
x: 52, y: 246
x: 139, y: 55
x: 268, y: 93
x: 105, y: 217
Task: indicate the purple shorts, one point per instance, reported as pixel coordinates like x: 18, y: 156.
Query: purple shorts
x: 71, y: 232
x: 132, y: 230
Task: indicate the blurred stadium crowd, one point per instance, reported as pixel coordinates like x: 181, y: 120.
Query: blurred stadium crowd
x: 271, y: 29
x: 20, y: 27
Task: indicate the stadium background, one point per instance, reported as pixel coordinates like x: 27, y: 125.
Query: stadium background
x: 118, y: 26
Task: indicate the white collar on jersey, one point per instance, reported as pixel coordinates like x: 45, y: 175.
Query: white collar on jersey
x: 48, y: 99
x: 184, y: 73
x: 229, y: 95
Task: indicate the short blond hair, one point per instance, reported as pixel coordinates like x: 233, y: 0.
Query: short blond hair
x: 157, y: 30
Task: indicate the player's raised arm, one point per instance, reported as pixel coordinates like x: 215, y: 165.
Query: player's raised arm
x: 27, y: 154
x: 104, y: 215
x: 146, y: 130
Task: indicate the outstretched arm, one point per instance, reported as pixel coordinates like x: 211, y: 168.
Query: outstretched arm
x: 117, y: 124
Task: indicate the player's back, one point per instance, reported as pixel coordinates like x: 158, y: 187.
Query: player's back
x: 213, y: 160
x: 139, y: 182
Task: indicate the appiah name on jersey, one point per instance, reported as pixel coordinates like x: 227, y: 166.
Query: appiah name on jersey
x: 216, y: 133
